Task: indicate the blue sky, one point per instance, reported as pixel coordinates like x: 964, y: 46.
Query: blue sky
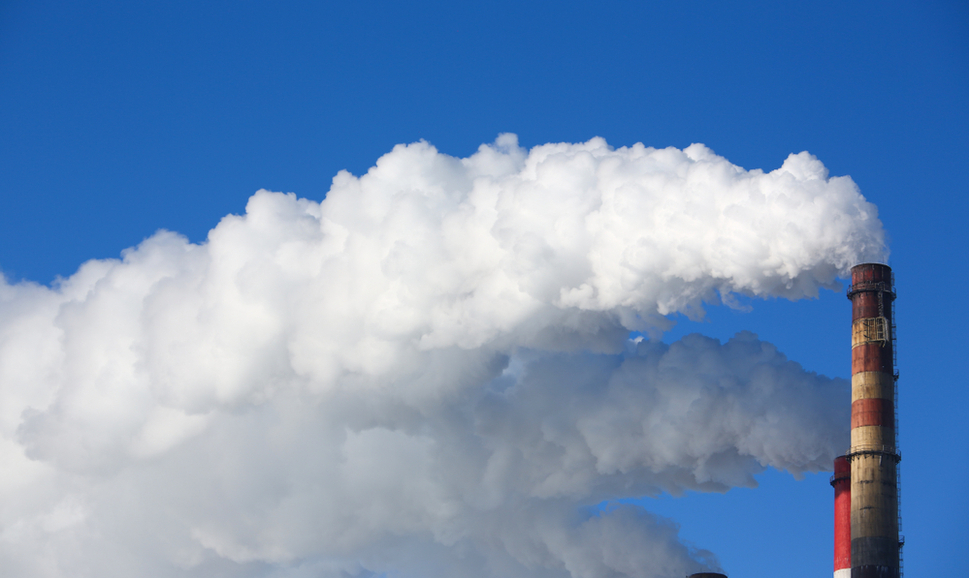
x: 120, y: 119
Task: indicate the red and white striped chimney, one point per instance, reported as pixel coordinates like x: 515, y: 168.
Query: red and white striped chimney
x: 843, y: 518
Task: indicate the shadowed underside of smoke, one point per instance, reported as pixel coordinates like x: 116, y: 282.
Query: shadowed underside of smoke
x: 427, y: 373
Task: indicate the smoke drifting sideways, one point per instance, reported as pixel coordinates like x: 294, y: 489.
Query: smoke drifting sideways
x: 428, y: 373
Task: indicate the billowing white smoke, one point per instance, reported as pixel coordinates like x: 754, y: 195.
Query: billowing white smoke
x: 429, y: 373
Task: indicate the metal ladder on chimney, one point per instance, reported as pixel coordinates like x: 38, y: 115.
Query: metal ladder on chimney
x: 899, y: 494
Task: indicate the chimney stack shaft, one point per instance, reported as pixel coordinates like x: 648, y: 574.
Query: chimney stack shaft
x: 843, y: 526
x: 872, y: 456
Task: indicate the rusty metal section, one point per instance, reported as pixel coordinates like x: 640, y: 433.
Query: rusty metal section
x: 868, y: 305
x: 871, y: 277
x: 873, y: 411
x: 872, y: 357
x: 871, y: 304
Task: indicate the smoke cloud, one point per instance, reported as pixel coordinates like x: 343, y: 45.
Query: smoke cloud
x: 428, y: 373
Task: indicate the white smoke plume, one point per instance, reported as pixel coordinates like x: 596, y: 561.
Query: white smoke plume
x: 428, y: 373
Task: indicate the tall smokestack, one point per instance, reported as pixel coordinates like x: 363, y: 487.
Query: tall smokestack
x: 872, y: 455
x: 843, y: 525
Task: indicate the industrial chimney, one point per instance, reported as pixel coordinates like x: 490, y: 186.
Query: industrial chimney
x: 841, y: 481
x: 873, y: 457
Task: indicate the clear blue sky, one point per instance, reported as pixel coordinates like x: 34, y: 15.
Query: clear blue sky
x: 119, y: 118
